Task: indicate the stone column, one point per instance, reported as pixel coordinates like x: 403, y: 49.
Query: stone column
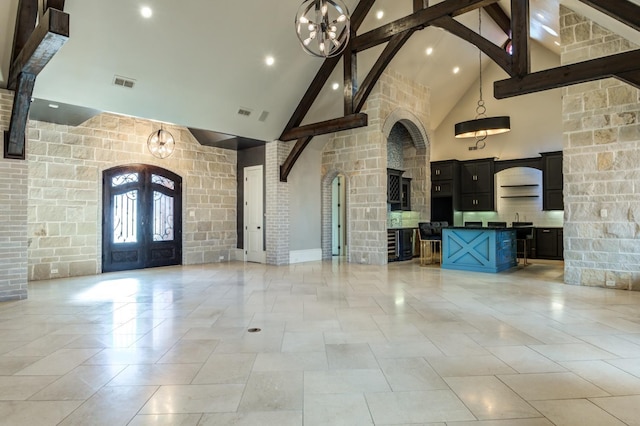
x: 13, y: 216
x: 601, y: 164
x: 277, y: 201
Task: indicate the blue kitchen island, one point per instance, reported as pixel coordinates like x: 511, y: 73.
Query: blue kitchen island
x: 479, y: 249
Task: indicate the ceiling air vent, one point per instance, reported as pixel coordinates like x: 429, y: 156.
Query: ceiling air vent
x: 263, y: 116
x: 245, y: 112
x: 123, y: 82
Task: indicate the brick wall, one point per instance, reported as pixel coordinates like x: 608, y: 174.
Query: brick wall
x: 277, y: 204
x: 601, y: 165
x: 65, y: 192
x: 13, y: 216
x: 361, y: 156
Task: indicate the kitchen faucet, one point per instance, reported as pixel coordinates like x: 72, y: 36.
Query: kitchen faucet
x: 517, y: 217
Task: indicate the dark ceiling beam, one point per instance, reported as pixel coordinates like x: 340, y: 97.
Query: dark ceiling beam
x: 497, y: 54
x: 56, y: 4
x: 390, y: 51
x: 496, y: 13
x: 416, y: 21
x: 49, y: 36
x: 420, y: 4
x: 295, y: 153
x: 621, y: 64
x: 521, y: 57
x: 631, y: 77
x: 350, y: 81
x: 14, y: 139
x: 323, y: 74
x: 620, y: 10
x: 25, y: 24
x: 329, y: 126
x: 42, y: 44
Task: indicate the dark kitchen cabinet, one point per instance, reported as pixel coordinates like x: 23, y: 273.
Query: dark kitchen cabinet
x: 445, y: 193
x: 552, y: 181
x: 549, y: 243
x: 444, y: 170
x: 482, y: 201
x: 394, y: 187
x: 477, y: 187
x: 400, y: 244
x: 405, y: 194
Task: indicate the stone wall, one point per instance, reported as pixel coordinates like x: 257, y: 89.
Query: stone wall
x: 65, y: 192
x: 601, y: 165
x: 361, y: 156
x: 13, y: 216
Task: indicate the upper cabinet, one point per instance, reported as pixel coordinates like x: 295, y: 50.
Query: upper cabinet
x: 477, y: 185
x: 552, y: 197
x: 394, y: 188
x: 444, y: 176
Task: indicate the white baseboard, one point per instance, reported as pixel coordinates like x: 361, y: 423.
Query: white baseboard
x: 299, y: 256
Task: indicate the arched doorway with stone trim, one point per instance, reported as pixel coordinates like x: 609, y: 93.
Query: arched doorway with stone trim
x: 405, y: 130
x: 328, y: 210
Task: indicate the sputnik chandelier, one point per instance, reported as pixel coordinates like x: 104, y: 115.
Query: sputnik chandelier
x: 323, y: 27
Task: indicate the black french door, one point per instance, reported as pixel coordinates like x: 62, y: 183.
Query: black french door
x: 142, y: 218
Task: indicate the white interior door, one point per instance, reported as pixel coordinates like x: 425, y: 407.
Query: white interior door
x: 254, y: 215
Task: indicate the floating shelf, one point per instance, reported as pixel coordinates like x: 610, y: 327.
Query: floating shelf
x: 527, y: 185
x: 520, y: 196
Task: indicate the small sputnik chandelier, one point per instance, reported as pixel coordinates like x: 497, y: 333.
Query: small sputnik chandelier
x: 161, y: 143
x: 323, y: 27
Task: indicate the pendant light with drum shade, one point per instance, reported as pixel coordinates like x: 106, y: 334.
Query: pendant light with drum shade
x: 482, y: 126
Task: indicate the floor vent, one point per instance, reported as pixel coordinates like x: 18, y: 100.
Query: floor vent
x: 246, y: 112
x: 123, y: 82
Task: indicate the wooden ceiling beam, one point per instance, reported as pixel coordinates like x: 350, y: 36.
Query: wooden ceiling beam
x: 420, y: 4
x: 295, y: 153
x: 390, y: 51
x: 497, y: 54
x: 14, y: 139
x: 41, y: 45
x: 49, y: 36
x: 329, y: 126
x: 626, y: 64
x: 521, y: 57
x: 323, y: 74
x: 496, y: 13
x: 620, y: 10
x: 631, y: 77
x: 417, y: 21
x: 25, y: 24
x: 56, y: 4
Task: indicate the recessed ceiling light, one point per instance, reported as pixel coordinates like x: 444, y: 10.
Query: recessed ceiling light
x: 335, y: 86
x: 456, y: 70
x: 146, y: 12
x: 550, y: 30
x: 54, y: 106
x: 557, y: 43
x: 380, y: 14
x: 270, y: 60
x: 429, y: 51
x: 541, y: 16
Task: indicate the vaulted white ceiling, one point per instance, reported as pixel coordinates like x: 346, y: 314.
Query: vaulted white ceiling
x: 196, y: 63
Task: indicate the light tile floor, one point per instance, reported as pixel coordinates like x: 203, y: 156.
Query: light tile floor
x: 340, y: 344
